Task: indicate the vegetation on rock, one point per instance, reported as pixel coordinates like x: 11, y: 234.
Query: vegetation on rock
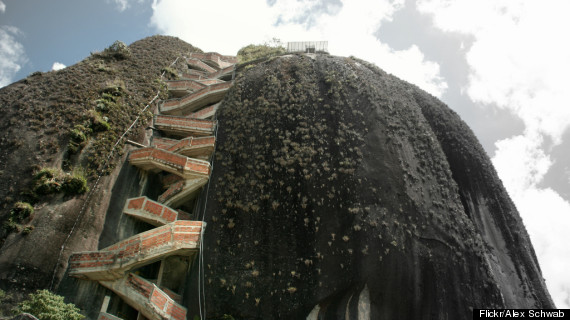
x: 335, y: 186
x: 53, y: 180
x: 46, y: 305
x: 74, y: 116
x: 4, y: 297
x: 118, y: 50
x: 22, y: 211
x: 260, y: 51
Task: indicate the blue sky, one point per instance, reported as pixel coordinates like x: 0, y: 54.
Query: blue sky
x: 66, y: 31
x: 501, y: 64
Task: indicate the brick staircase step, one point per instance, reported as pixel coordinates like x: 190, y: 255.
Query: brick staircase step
x: 154, y: 159
x: 150, y: 211
x: 177, y: 238
x: 196, y: 100
x: 147, y: 298
x: 180, y: 192
x: 183, y: 126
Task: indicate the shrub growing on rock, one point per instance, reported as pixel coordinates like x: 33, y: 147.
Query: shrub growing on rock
x: 97, y: 122
x: 77, y: 134
x: 266, y: 50
x: 74, y: 184
x: 4, y: 297
x: 46, y: 181
x: 22, y: 211
x: 46, y: 305
x: 118, y: 50
x: 53, y: 180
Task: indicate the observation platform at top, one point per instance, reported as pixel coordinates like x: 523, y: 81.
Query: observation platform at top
x: 308, y: 47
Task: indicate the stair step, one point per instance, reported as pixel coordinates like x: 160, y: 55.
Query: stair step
x: 200, y: 65
x: 150, y: 211
x: 107, y: 316
x: 182, y: 87
x: 199, y: 147
x: 154, y: 159
x: 177, y: 238
x: 219, y: 60
x: 222, y: 73
x: 205, y: 113
x: 183, y: 126
x: 194, y: 75
x: 147, y: 298
x: 196, y: 100
x: 163, y: 143
x: 182, y: 191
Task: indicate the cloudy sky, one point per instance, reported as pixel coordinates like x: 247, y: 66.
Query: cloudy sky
x: 501, y: 64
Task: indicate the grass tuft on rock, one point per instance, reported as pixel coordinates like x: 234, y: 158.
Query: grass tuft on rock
x: 22, y: 211
x: 260, y: 51
x: 52, y: 180
x: 75, y: 183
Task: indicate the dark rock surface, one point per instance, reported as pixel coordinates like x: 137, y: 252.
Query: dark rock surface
x: 343, y: 192
x: 38, y: 113
x: 338, y: 192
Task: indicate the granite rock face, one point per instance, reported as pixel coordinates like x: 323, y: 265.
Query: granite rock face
x: 337, y: 192
x: 342, y: 192
x: 38, y: 115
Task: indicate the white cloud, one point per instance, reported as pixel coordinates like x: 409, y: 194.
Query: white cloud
x: 12, y: 54
x: 57, y: 66
x: 520, y: 61
x: 226, y: 26
x: 123, y: 5
x: 528, y: 169
x: 2, y: 7
x: 521, y: 165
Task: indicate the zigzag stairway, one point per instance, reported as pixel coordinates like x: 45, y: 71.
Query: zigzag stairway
x: 179, y: 154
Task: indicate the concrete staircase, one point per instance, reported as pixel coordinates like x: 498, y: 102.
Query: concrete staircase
x: 115, y: 262
x: 137, y: 291
x: 200, y: 65
x: 150, y: 211
x: 184, y: 126
x: 215, y: 59
x: 194, y: 147
x: 181, y: 152
x: 195, y: 100
x: 155, y: 159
